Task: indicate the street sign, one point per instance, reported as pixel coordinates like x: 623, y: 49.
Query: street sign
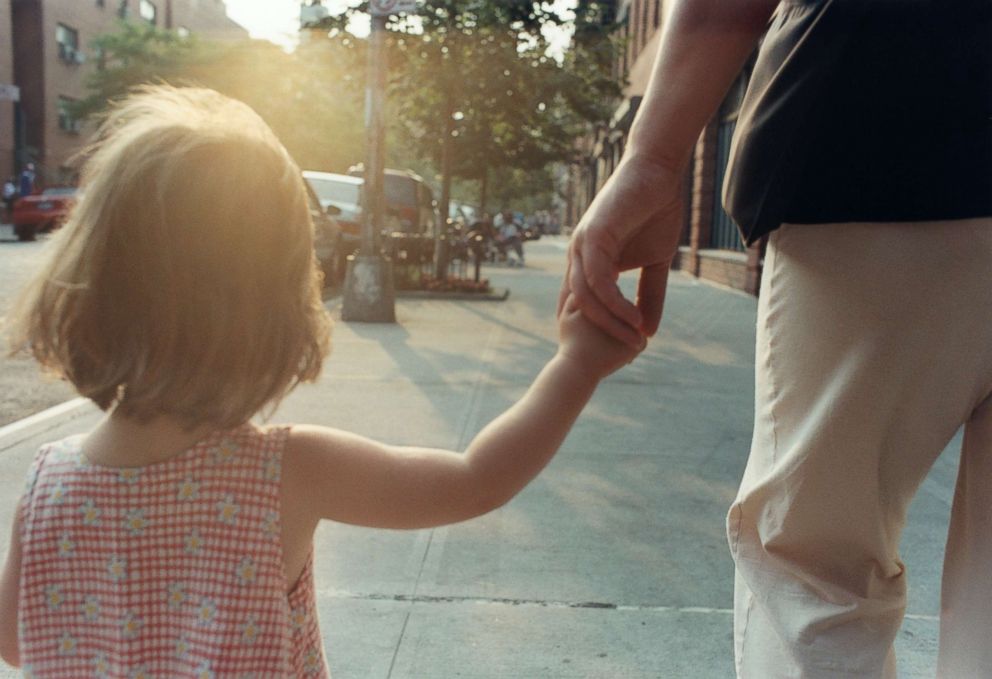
x: 386, y: 7
x: 10, y: 92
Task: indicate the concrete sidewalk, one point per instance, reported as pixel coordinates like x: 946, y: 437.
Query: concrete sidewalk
x: 613, y: 563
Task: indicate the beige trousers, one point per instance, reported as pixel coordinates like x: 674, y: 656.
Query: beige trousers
x: 874, y: 347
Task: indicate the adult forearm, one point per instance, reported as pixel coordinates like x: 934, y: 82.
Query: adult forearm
x: 518, y: 444
x: 704, y: 45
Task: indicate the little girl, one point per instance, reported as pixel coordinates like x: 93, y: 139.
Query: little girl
x: 182, y: 297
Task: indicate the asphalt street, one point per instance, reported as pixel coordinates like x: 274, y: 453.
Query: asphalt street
x: 24, y: 390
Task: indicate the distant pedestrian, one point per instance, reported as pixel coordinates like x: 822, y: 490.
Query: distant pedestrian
x: 10, y: 197
x: 28, y: 178
x: 874, y: 321
x: 509, y: 235
x: 175, y: 539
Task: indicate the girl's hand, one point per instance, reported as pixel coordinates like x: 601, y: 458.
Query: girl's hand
x: 591, y: 349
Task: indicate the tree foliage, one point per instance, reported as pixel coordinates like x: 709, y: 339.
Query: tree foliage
x: 310, y: 97
x: 474, y: 89
x: 475, y: 81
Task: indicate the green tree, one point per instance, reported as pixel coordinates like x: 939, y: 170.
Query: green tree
x: 311, y: 97
x: 473, y: 87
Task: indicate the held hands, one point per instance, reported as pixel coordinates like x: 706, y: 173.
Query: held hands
x: 634, y: 223
x: 591, y: 350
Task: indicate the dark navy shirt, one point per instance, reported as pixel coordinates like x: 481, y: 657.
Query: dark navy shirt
x: 866, y: 111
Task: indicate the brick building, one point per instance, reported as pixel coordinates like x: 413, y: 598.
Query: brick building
x: 711, y: 247
x: 47, y: 42
x: 6, y: 107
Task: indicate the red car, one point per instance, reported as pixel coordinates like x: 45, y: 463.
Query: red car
x: 43, y: 211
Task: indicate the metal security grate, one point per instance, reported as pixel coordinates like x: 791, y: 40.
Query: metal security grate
x: 724, y: 234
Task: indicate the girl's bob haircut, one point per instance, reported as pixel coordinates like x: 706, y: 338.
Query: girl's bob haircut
x: 184, y: 283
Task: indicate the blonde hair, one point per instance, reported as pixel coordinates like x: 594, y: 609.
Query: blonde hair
x: 184, y: 282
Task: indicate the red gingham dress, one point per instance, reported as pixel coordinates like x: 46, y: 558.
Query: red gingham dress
x: 170, y: 570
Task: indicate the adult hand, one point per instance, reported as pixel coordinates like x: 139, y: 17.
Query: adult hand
x: 633, y: 223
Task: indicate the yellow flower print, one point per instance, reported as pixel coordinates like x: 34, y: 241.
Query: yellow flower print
x: 91, y: 609
x: 193, y: 542
x: 227, y: 510
x: 58, y: 494
x: 298, y: 617
x: 135, y: 521
x: 311, y: 661
x: 53, y: 596
x: 66, y: 546
x: 139, y: 673
x: 91, y: 513
x: 272, y: 469
x: 226, y: 451
x: 117, y: 568
x: 67, y: 644
x: 177, y: 597
x: 129, y: 475
x: 131, y: 626
x: 246, y: 571
x: 270, y: 525
x: 203, y: 671
x: 206, y: 612
x: 188, y: 490
x: 182, y: 648
x: 250, y: 631
x: 101, y: 666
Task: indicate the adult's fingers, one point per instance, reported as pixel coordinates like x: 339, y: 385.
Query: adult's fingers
x: 651, y: 288
x: 597, y: 312
x: 601, y: 275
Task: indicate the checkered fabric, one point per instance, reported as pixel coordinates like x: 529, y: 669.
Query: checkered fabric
x: 170, y: 570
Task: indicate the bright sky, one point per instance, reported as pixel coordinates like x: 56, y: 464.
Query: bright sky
x: 279, y: 20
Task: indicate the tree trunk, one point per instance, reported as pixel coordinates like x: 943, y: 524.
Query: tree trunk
x: 483, y: 190
x: 441, y: 244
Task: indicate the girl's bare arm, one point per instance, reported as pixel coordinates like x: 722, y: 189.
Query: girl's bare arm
x: 348, y: 478
x: 9, y: 593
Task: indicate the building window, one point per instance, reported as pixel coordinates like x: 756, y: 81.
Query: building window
x: 657, y: 13
x: 101, y: 3
x: 148, y: 11
x: 67, y: 121
x: 67, y: 40
x: 122, y: 9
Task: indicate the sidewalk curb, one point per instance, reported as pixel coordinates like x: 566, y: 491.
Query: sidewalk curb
x: 21, y: 430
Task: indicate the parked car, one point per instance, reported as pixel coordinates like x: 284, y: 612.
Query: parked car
x: 327, y: 240
x: 344, y: 193
x: 411, y: 216
x: 410, y: 204
x: 43, y: 211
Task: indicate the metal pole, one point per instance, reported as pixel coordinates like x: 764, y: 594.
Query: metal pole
x: 375, y: 100
x: 368, y: 290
